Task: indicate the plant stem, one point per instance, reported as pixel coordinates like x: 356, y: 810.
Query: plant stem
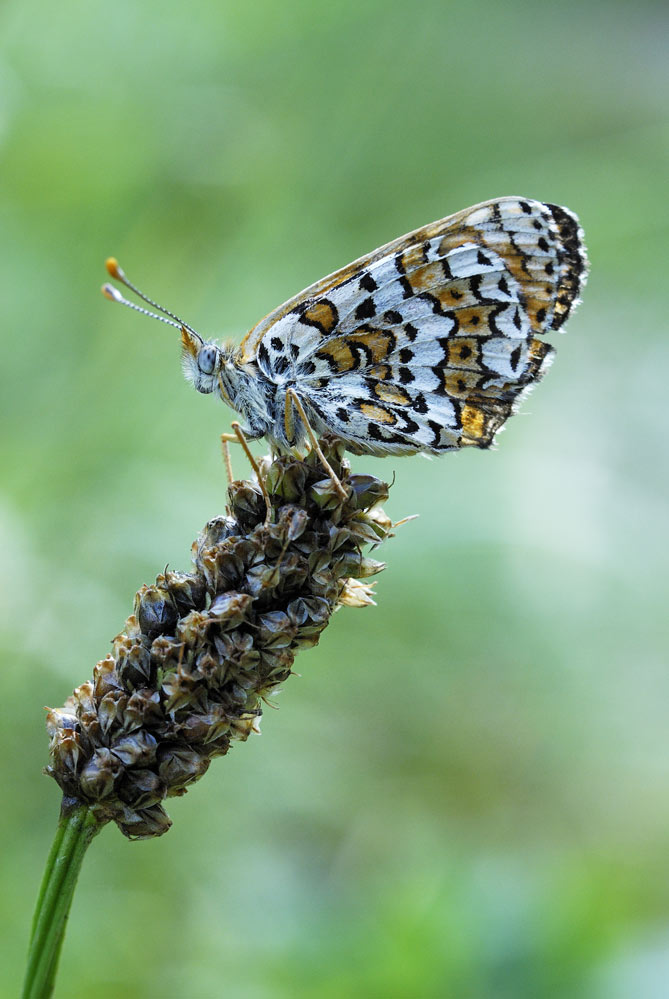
x: 76, y: 828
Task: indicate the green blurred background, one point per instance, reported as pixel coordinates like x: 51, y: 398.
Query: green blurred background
x: 467, y: 792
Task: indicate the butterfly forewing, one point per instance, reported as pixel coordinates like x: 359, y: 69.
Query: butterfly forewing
x: 426, y: 343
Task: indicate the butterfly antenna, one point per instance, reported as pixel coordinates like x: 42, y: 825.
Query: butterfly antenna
x: 114, y: 295
x: 116, y: 271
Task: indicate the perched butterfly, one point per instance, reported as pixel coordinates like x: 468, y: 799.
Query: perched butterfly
x: 426, y: 344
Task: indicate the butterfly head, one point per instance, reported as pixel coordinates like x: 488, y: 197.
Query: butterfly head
x: 208, y: 367
x: 201, y: 361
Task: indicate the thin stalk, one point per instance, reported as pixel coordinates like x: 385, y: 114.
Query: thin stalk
x: 76, y: 828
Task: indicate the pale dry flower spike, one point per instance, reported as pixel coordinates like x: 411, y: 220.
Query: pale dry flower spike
x: 202, y: 650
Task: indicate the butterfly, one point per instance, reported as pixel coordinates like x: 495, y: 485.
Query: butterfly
x: 424, y: 345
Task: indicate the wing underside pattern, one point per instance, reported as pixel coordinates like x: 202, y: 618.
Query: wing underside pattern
x: 428, y: 343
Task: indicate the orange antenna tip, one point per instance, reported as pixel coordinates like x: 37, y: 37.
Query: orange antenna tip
x: 114, y: 295
x: 113, y: 269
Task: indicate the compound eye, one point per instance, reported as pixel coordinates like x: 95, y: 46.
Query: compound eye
x: 206, y: 360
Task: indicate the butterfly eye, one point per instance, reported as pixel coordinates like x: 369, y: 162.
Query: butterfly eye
x: 206, y: 360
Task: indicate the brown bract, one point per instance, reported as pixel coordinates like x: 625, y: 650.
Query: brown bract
x: 202, y: 650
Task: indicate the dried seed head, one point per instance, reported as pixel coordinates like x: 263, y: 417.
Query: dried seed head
x: 201, y: 650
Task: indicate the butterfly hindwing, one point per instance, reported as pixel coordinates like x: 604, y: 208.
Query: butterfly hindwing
x: 427, y: 343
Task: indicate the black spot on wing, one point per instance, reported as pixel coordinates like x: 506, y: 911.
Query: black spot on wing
x: 436, y: 431
x: 263, y: 356
x: 407, y: 425
x: 405, y: 285
x: 522, y: 256
x: 387, y: 436
x: 492, y: 319
x: 438, y: 372
x: 392, y: 317
x: 475, y: 288
x: 366, y: 309
x: 436, y: 305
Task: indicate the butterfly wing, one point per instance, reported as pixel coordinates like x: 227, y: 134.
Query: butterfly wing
x: 428, y: 342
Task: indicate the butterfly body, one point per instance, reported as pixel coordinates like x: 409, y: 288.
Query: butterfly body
x: 426, y: 344
x: 242, y: 385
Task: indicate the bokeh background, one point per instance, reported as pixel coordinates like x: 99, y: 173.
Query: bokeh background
x: 466, y: 794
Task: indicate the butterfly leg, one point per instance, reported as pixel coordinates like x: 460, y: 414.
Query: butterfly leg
x: 226, y: 457
x: 292, y: 396
x: 239, y: 436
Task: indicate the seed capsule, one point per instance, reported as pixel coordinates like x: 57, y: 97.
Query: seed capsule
x: 189, y: 672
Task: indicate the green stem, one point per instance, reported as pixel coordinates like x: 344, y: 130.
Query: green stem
x: 76, y: 829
